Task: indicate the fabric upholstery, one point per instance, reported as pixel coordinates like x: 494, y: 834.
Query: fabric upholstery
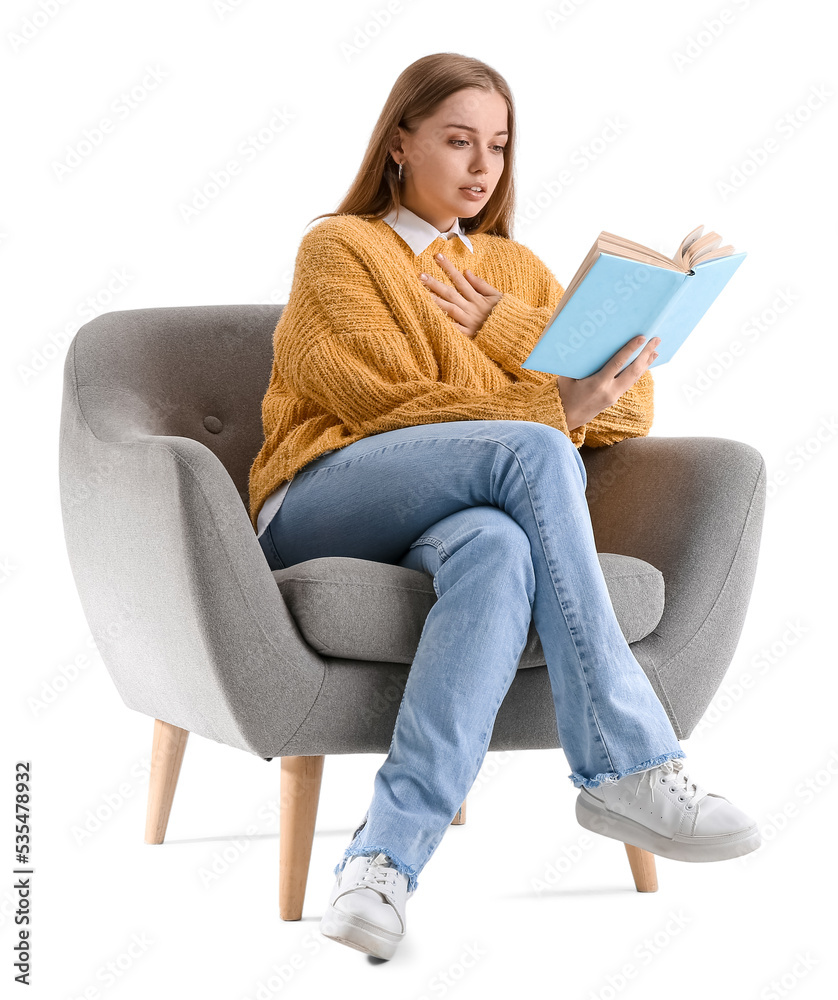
x: 160, y: 421
x: 357, y: 609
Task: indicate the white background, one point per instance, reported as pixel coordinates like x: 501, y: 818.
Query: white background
x: 697, y: 105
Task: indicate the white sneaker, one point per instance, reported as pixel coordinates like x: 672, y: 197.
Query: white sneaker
x: 367, y: 904
x: 662, y: 811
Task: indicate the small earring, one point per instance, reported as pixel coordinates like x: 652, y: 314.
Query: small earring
x: 401, y: 173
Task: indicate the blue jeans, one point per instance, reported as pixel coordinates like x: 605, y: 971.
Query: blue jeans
x: 495, y: 511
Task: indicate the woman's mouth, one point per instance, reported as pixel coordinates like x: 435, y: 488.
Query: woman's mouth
x: 473, y: 193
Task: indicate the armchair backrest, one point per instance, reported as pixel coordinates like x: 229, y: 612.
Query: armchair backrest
x: 193, y: 371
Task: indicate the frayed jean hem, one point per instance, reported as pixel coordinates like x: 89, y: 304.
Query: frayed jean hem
x: 409, y: 870
x: 611, y: 776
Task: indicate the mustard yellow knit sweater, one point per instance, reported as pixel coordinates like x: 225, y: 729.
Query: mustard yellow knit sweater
x: 362, y: 348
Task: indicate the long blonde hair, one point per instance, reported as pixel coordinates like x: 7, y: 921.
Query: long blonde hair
x: 416, y: 94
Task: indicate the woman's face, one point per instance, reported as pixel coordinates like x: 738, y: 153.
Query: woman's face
x: 444, y: 156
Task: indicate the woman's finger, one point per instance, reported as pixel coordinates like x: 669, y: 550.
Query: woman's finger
x: 481, y: 285
x: 616, y: 362
x: 451, y: 308
x: 461, y: 283
x: 440, y: 289
x: 632, y: 372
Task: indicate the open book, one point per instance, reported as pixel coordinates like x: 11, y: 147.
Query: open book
x: 623, y: 289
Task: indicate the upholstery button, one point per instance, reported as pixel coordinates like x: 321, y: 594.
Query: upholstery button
x: 213, y: 424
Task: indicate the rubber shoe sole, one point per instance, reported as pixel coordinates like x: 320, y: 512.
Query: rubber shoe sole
x: 358, y: 933
x: 594, y: 816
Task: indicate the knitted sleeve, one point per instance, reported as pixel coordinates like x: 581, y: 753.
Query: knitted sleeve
x: 630, y: 416
x: 510, y: 331
x: 355, y: 363
x: 509, y: 334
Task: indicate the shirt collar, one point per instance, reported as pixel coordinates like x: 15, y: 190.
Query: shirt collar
x: 419, y: 234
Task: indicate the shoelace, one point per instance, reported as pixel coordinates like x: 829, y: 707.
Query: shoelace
x: 381, y: 876
x: 678, y: 778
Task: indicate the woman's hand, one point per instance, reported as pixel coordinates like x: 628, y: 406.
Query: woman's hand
x: 584, y: 398
x: 468, y: 303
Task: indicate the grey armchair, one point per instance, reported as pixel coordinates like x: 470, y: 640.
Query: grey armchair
x: 160, y: 422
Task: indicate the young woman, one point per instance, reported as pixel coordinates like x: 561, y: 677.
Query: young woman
x: 400, y: 428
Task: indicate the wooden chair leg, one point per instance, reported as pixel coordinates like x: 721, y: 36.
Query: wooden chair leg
x: 299, y: 797
x: 460, y: 818
x: 642, y: 868
x: 167, y: 747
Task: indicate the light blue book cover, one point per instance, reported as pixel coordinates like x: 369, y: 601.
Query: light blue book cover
x: 619, y: 299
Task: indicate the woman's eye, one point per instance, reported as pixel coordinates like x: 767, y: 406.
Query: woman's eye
x: 501, y: 148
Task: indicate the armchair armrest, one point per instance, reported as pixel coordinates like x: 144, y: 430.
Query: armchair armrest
x: 181, y: 602
x: 693, y: 507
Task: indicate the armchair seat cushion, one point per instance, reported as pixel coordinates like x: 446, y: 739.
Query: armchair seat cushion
x: 356, y: 609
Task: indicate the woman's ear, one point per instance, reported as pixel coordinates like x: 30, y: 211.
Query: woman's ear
x: 396, y: 145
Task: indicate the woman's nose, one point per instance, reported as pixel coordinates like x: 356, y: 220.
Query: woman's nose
x: 480, y: 161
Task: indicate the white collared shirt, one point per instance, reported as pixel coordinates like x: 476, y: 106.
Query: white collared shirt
x: 418, y: 235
